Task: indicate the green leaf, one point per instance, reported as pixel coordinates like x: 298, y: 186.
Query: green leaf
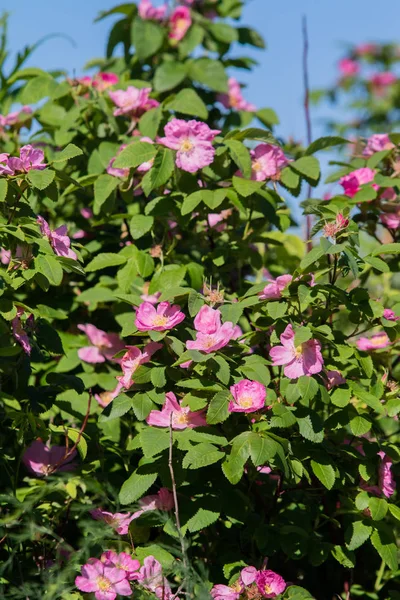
x: 117, y: 408
x: 103, y: 188
x: 262, y: 449
x: 341, y: 397
x: 218, y: 408
x: 360, y: 425
x: 246, y: 187
x: 223, y: 32
x: 37, y: 88
x: 378, y: 508
x: 147, y: 37
x: 223, y: 371
x: 312, y: 257
x: 202, y: 455
x: 150, y: 122
x: 209, y: 72
x: 160, y: 172
x: 190, y: 202
x: 142, y: 405
x: 154, y: 440
x: 188, y: 102
x: 325, y: 142
x: 158, y: 377
x: 310, y: 425
x: 134, y: 155
x: 3, y: 189
x: 48, y: 266
x: 308, y: 166
x: 268, y: 117
x: 140, y: 225
x: 387, y: 249
x: 383, y: 542
x: 169, y: 75
x: 344, y: 556
x: 41, y: 179
x: 203, y: 518
x: 356, y: 534
x: 302, y: 334
x: 134, y: 487
x: 241, y: 156
x: 105, y: 260
x: 324, y: 471
x: 395, y: 510
x: 69, y: 152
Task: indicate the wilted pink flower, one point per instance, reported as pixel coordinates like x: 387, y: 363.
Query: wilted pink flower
x: 104, y: 398
x: 165, y: 316
x: 348, y: 67
x: 19, y: 333
x: 182, y: 416
x: 353, y: 181
x: 207, y: 320
x: 148, y: 11
x: 376, y: 143
x: 273, y: 291
x: 386, y: 482
x: 122, y: 561
x: 133, y: 102
x: 377, y: 341
x: 106, y: 582
x: 333, y: 228
x: 13, y: 118
x: 248, y: 396
x: 103, y: 345
x: 179, y: 22
x: 123, y: 172
x: 391, y: 220
x: 365, y: 49
x: 225, y: 592
x: 58, y: 238
x: 151, y: 577
x: 234, y: 97
x: 390, y: 315
x: 118, y: 521
x: 132, y: 360
x: 163, y: 500
x: 5, y: 256
x: 267, y: 161
x: 381, y: 81
x: 211, y: 342
x: 305, y: 359
x: 42, y: 460
x: 193, y: 142
x: 334, y: 378
x: 270, y: 584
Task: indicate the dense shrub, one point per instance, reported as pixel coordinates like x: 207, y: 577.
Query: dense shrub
x: 193, y: 402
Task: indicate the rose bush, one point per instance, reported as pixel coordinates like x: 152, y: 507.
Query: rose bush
x: 193, y: 405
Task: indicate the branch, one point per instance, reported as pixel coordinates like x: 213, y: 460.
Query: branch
x: 175, y: 496
x: 307, y: 117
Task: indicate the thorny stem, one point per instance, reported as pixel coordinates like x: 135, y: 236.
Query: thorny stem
x: 175, y: 496
x: 308, y: 118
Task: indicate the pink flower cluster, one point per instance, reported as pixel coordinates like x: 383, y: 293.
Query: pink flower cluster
x: 29, y: 158
x: 352, y: 182
x: 13, y: 118
x: 179, y: 20
x: 58, y: 239
x: 132, y: 102
x: 256, y: 584
x: 305, y: 359
x: 176, y: 415
x: 193, y: 142
x: 234, y: 97
x: 148, y: 11
x: 211, y: 335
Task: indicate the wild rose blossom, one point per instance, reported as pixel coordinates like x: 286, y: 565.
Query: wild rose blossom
x: 163, y: 501
x: 41, y: 460
x: 152, y: 298
x: 193, y: 142
x: 386, y: 483
x: 273, y: 291
x: 162, y: 318
x: 207, y: 320
x: 114, y: 171
x: 133, y: 102
x: 365, y: 49
x: 213, y: 341
x: 118, y: 521
x: 234, y: 97
x: 103, y: 345
x: 390, y: 315
x: 13, y: 118
x: 179, y: 22
x: 131, y: 361
x: 182, y: 416
x: 30, y: 158
x: 381, y: 81
x: 267, y: 162
x: 105, y: 581
x: 149, y: 12
x: 225, y: 592
x: 349, y: 67
x: 391, y: 219
x: 104, y: 398
x: 375, y: 342
x: 58, y: 238
x: 216, y: 220
x: 19, y: 333
x: 151, y: 578
x: 270, y: 584
x: 248, y: 396
x: 352, y: 182
x: 376, y: 143
x: 122, y: 561
x: 305, y: 359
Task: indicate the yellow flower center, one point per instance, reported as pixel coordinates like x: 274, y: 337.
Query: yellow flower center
x: 245, y: 401
x: 186, y: 145
x: 160, y: 321
x: 103, y: 583
x: 267, y: 589
x: 180, y: 24
x: 379, y: 339
x: 298, y: 351
x: 180, y: 418
x: 209, y: 342
x: 256, y: 166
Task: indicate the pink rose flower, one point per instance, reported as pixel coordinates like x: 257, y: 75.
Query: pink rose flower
x: 132, y: 360
x: 305, y: 359
x: 248, y: 575
x: 237, y: 332
x: 391, y: 220
x: 5, y: 256
x: 106, y: 582
x: 216, y: 220
x: 376, y: 143
x: 179, y: 22
x: 248, y: 396
x: 133, y: 102
x: 121, y: 561
x: 182, y: 416
x: 113, y: 170
x: 151, y: 578
x: 381, y: 81
x: 225, y: 592
x: 234, y: 97
x: 211, y: 342
x: 104, y: 398
x: 86, y: 212
x: 390, y: 315
x: 19, y: 333
x: 40, y: 459
x: 348, y: 67
x: 193, y: 142
x: 273, y: 291
x: 148, y: 11
x: 377, y: 341
x: 58, y: 238
x: 118, y: 521
x: 386, y: 481
x: 267, y: 161
x: 334, y: 378
x: 163, y: 500
x: 165, y: 316
x: 207, y: 320
x: 270, y: 584
x: 352, y: 182
x: 103, y: 345
x: 13, y: 118
x: 365, y: 49
x: 30, y: 158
